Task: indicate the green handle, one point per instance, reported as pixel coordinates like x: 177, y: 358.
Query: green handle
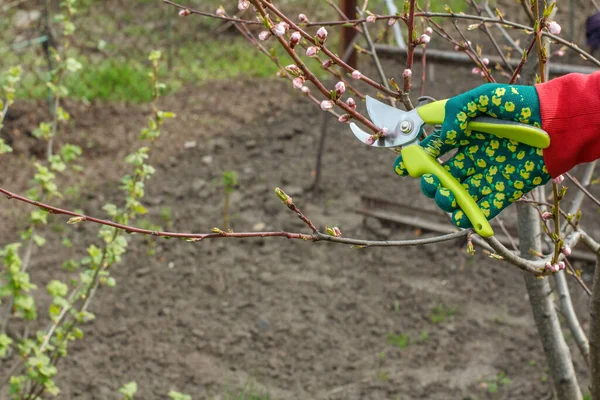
x: 434, y: 113
x: 418, y: 162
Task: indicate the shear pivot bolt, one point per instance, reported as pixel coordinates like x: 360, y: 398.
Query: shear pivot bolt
x: 405, y: 126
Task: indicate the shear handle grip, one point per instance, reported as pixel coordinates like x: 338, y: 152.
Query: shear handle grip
x: 418, y: 162
x: 434, y: 114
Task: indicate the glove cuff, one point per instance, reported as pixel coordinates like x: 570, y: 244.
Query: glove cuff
x: 570, y: 111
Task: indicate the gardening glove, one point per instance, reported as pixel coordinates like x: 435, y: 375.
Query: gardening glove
x: 497, y: 172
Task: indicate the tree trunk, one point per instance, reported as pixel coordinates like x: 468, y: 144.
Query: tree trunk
x: 557, y: 352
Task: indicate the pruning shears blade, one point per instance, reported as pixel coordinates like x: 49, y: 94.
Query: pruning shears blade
x: 384, y: 116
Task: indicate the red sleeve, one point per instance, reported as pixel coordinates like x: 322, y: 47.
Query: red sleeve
x: 570, y: 109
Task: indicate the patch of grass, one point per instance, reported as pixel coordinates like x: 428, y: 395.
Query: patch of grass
x: 440, y: 312
x: 398, y: 340
x: 493, y: 385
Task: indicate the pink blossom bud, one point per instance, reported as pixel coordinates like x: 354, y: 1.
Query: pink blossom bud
x: 264, y: 35
x: 295, y: 39
x: 561, y: 265
x: 305, y: 90
x: 243, y: 5
x: 553, y: 27
x: 482, y: 73
x: 559, y: 53
x: 312, y: 51
x: 340, y: 88
x: 326, y: 105
x: 485, y: 61
x: 383, y: 132
x: 407, y: 73
x: 371, y: 18
x: 546, y: 215
x: 220, y: 11
x: 351, y: 103
x: 322, y: 34
x: 356, y: 74
x: 558, y: 180
x: 337, y: 231
x: 424, y: 38
x: 548, y: 267
x: 344, y: 118
x: 293, y: 69
x: 428, y: 31
x: 298, y: 82
x: 279, y: 29
x: 370, y: 140
x: 566, y: 251
x: 475, y: 71
x: 457, y: 47
x: 326, y: 64
x: 302, y: 18
x: 391, y: 21
x: 184, y: 12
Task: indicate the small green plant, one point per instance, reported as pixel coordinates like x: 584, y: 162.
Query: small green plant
x: 423, y: 337
x: 493, y: 385
x: 179, y: 396
x: 230, y: 181
x: 398, y: 340
x: 440, y: 312
x: 381, y: 374
x: 129, y: 390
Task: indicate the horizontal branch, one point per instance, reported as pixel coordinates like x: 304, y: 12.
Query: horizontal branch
x: 316, y: 236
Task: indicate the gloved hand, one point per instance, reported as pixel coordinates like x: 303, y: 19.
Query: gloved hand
x: 495, y: 172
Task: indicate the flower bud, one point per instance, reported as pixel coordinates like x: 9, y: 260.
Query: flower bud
x: 279, y: 29
x: 326, y: 105
x: 340, y: 88
x: 561, y: 265
x: 351, y: 103
x: 243, y: 5
x: 293, y: 69
x: 75, y: 220
x: 370, y: 140
x: 322, y: 34
x: 548, y: 267
x: 302, y: 18
x: 312, y: 51
x: 184, y: 12
x: 326, y: 64
x: 391, y: 21
x: 283, y: 196
x: 553, y: 27
x: 457, y: 47
x: 558, y: 180
x: 382, y: 132
x: 424, y: 39
x: 298, y: 82
x: 475, y: 71
x: 356, y: 74
x: 485, y: 61
x: 305, y: 89
x: 220, y: 11
x: 264, y: 35
x: 371, y: 18
x: 337, y: 231
x: 344, y: 118
x: 566, y: 250
x: 428, y: 31
x: 295, y: 39
x: 546, y: 215
x: 407, y: 73
x: 559, y: 53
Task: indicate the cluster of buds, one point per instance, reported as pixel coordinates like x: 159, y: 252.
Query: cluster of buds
x: 553, y: 27
x: 243, y: 5
x: 335, y: 231
x: 184, y: 13
x: 554, y: 267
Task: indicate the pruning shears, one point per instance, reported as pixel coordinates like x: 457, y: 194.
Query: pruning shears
x: 405, y: 129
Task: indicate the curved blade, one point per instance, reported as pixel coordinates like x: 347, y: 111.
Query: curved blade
x: 383, y: 115
x: 364, y: 137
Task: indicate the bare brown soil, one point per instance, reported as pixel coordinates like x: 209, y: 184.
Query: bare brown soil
x: 298, y: 320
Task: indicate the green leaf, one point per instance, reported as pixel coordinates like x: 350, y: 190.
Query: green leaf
x: 72, y: 64
x: 179, y: 396
x: 57, y: 289
x: 39, y: 240
x: 70, y: 152
x: 5, y: 343
x: 129, y: 390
